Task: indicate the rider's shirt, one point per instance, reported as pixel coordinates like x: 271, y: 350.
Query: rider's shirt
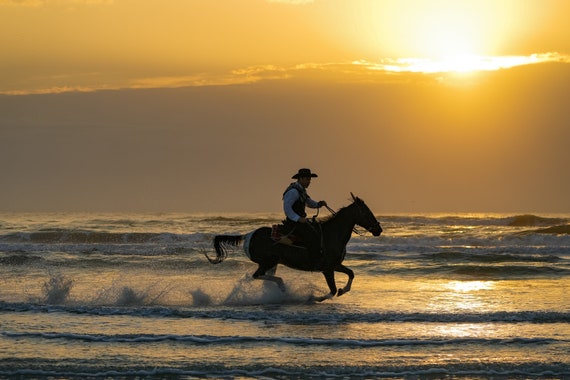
x: 295, y: 198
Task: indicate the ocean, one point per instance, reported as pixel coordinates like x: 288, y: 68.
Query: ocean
x: 477, y: 296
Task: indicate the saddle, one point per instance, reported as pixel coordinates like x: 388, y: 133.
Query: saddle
x: 280, y: 236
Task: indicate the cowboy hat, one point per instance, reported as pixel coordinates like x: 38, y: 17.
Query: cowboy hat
x: 303, y: 173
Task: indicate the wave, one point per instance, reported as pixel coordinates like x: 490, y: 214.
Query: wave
x: 44, y: 368
x: 213, y: 340
x: 503, y: 272
x: 558, y: 230
x: 460, y: 270
x: 245, y: 219
x: 19, y: 259
x: 454, y: 256
x: 521, y: 220
x: 533, y: 220
x: 311, y: 317
x: 26, y: 247
x: 412, y: 232
x: 90, y: 237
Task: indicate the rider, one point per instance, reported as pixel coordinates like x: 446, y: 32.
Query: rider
x: 295, y: 198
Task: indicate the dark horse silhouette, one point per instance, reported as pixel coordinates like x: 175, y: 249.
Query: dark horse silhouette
x: 335, y: 232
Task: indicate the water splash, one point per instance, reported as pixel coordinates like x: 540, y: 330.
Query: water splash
x: 124, y: 295
x: 129, y: 297
x: 56, y: 290
x: 199, y: 298
x: 248, y: 291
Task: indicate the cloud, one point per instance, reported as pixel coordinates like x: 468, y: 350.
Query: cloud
x: 359, y: 71
x: 461, y: 63
x: 58, y: 90
x: 197, y: 80
x: 246, y: 75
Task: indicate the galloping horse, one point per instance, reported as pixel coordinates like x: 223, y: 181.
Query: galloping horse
x: 335, y: 232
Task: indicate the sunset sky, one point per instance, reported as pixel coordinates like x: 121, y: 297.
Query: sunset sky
x: 212, y: 105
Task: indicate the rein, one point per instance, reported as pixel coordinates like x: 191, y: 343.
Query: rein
x: 333, y: 212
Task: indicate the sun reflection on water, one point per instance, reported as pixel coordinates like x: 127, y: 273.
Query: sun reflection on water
x: 454, y: 296
x: 470, y: 286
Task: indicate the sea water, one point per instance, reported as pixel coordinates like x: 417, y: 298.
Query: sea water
x: 133, y: 296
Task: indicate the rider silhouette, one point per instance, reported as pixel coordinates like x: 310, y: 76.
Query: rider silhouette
x: 295, y: 198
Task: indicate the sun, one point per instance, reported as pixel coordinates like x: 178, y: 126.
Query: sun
x: 434, y: 36
x: 448, y: 33
x: 439, y: 36
x: 448, y: 38
x: 428, y: 29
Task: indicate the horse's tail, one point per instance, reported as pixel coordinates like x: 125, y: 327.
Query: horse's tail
x: 221, y: 244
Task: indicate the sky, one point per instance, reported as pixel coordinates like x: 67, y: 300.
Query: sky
x: 212, y: 105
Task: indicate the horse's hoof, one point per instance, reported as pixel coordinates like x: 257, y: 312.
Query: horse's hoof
x: 323, y: 298
x: 340, y: 292
x: 311, y: 299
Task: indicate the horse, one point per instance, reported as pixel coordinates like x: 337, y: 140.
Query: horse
x: 335, y: 231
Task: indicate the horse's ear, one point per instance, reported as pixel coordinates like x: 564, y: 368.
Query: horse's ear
x: 355, y: 198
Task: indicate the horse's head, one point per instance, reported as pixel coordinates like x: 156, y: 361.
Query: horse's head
x: 365, y: 218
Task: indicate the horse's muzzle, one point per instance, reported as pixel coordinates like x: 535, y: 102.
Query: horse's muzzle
x: 376, y: 229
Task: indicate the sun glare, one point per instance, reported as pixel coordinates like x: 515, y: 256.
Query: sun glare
x: 443, y: 36
x: 456, y: 64
x: 447, y: 33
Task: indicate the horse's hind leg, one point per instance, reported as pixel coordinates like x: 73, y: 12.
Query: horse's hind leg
x: 271, y: 271
x: 267, y: 272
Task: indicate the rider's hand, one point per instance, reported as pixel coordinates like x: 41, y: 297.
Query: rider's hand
x: 322, y: 203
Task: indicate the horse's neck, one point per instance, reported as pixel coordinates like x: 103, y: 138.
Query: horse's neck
x: 343, y: 223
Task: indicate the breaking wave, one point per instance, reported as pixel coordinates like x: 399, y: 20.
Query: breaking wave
x: 310, y: 317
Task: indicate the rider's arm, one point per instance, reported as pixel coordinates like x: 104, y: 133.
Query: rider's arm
x: 312, y: 203
x: 289, y: 199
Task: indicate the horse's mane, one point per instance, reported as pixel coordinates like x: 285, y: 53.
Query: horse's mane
x: 340, y: 211
x: 331, y: 216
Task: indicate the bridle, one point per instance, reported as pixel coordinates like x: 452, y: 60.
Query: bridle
x: 369, y: 228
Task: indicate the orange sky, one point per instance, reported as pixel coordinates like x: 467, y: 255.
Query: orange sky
x: 204, y: 105
x: 55, y: 45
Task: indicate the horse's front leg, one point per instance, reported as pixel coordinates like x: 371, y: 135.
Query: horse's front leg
x: 349, y: 273
x: 329, y: 276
